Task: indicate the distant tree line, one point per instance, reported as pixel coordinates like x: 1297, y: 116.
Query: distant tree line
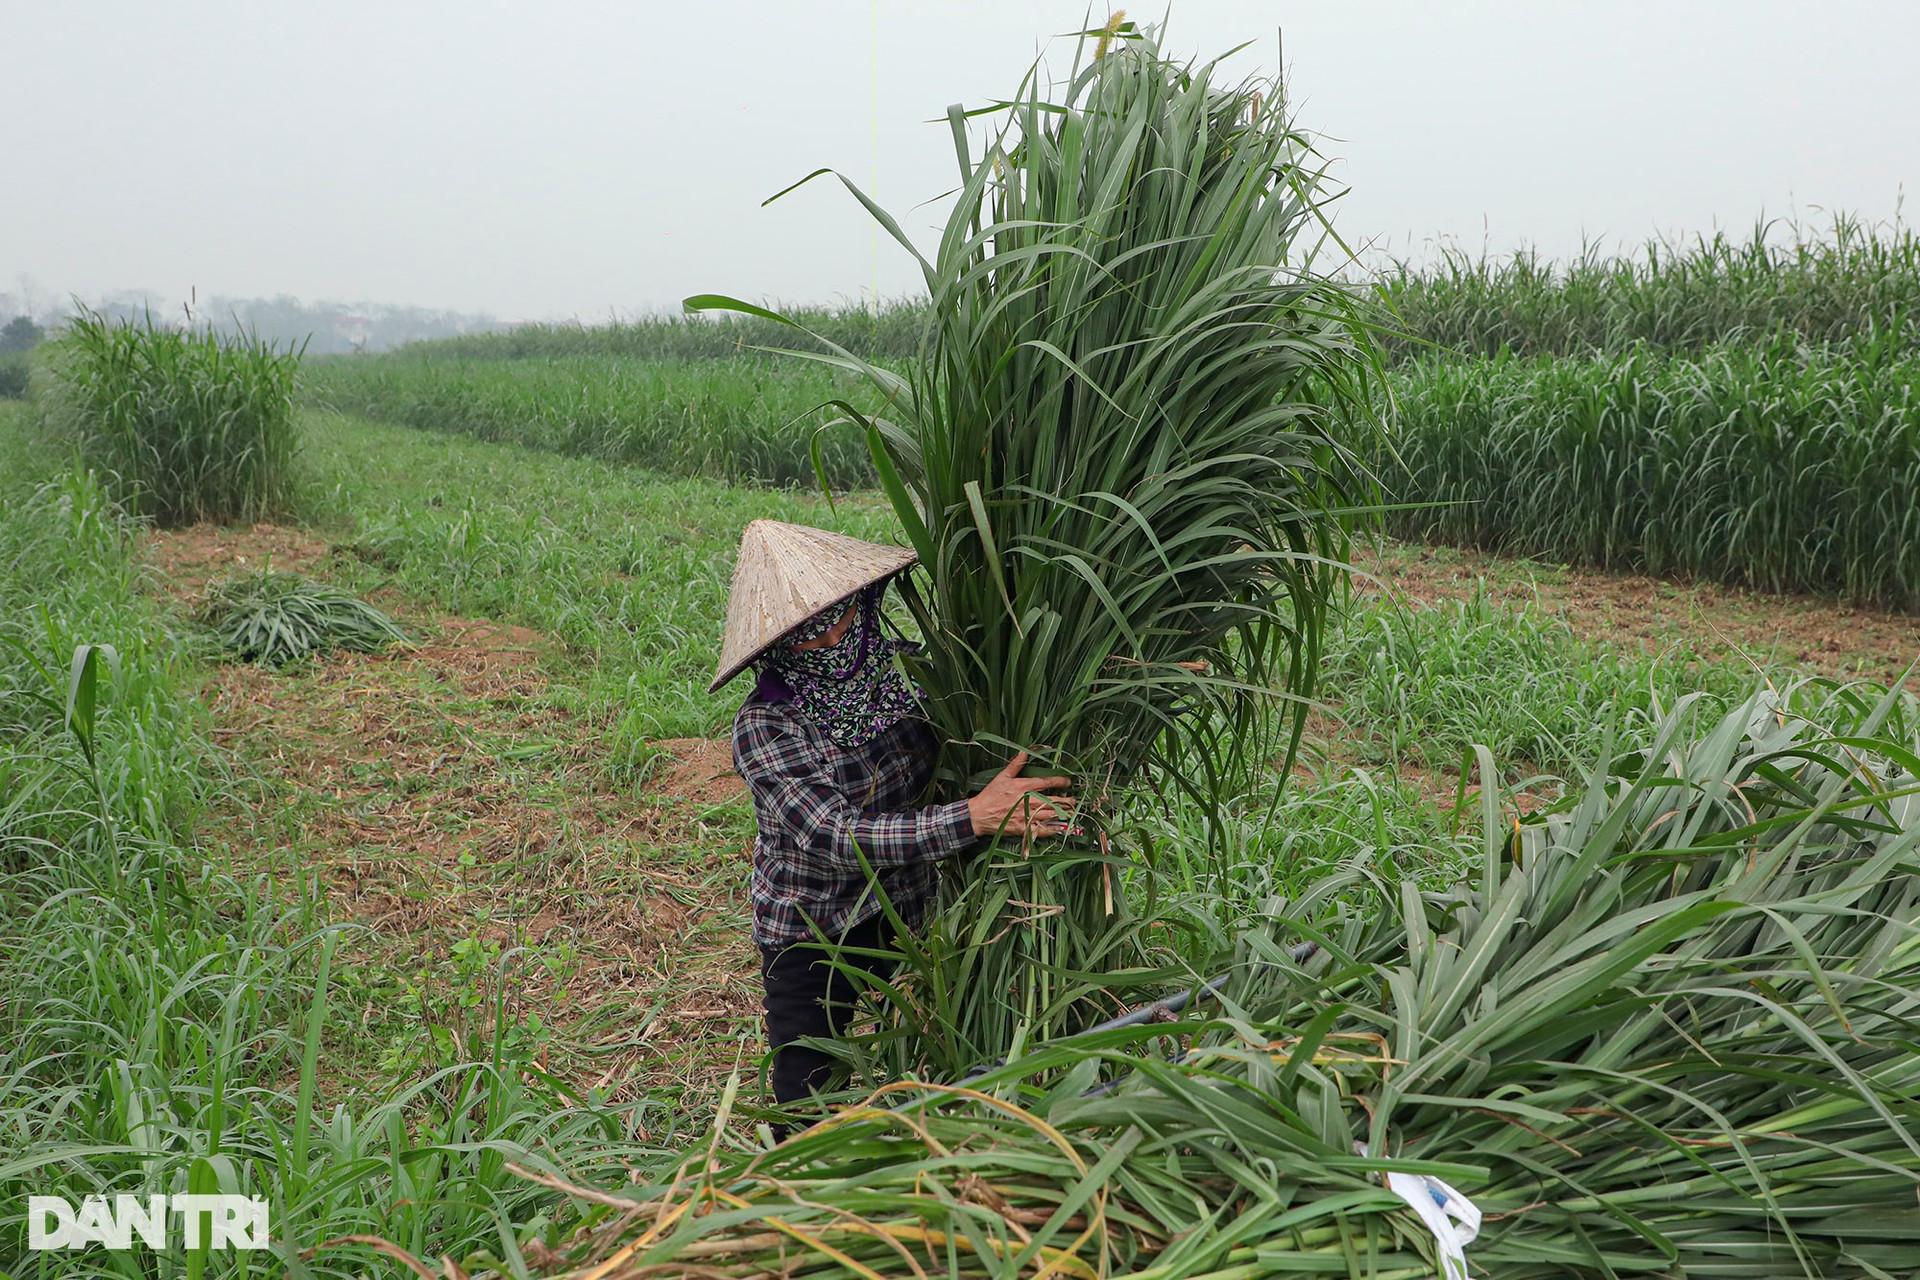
x: 17, y: 337
x: 20, y: 334
x: 336, y: 328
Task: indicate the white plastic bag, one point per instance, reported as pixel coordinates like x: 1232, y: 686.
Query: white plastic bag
x: 1453, y: 1219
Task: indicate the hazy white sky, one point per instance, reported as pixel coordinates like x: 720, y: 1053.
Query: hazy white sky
x: 567, y: 159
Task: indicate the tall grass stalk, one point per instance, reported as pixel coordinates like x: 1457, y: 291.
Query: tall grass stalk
x: 187, y: 424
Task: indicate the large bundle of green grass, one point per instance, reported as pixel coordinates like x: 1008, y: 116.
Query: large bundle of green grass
x: 1116, y: 456
x: 186, y: 424
x: 1664, y: 1030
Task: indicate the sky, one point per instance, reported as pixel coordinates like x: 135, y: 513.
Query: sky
x: 577, y: 160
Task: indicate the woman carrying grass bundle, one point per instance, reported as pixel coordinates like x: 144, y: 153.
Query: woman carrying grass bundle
x: 1129, y: 454
x: 835, y: 751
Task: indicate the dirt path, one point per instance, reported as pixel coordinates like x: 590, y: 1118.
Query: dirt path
x: 1826, y: 637
x: 453, y: 806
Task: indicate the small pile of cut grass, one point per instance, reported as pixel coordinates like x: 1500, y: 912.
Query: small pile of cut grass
x: 275, y: 618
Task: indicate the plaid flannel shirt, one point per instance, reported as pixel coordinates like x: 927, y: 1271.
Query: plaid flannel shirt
x: 817, y: 803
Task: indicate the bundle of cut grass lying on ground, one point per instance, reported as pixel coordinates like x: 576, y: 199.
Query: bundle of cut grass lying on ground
x: 276, y: 618
x: 1666, y: 1029
x: 1116, y: 458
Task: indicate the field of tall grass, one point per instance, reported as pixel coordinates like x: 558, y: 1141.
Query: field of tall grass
x: 165, y: 1019
x: 1835, y: 284
x: 891, y: 330
x: 748, y: 419
x: 1736, y: 408
x: 1784, y: 467
x: 1818, y: 283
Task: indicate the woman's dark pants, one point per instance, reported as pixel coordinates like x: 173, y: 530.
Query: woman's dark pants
x: 805, y: 996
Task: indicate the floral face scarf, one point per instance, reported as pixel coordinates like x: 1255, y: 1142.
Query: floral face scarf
x: 851, y: 689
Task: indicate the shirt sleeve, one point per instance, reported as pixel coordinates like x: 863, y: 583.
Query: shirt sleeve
x: 794, y: 792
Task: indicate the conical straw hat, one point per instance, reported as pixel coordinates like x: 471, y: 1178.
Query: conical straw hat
x: 787, y: 573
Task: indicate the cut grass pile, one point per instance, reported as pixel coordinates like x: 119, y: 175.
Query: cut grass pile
x: 274, y: 617
x: 1664, y: 1028
x: 1782, y: 467
x: 185, y: 424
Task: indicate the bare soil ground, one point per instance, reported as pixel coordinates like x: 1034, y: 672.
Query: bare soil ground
x: 698, y: 770
x: 454, y: 809
x: 185, y: 562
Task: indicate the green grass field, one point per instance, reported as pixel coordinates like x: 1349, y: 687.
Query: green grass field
x: 747, y: 420
x: 1819, y: 283
x: 409, y: 917
x: 1833, y: 283
x: 387, y: 937
x: 1785, y: 467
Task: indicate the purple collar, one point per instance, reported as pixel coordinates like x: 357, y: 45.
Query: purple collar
x: 772, y: 688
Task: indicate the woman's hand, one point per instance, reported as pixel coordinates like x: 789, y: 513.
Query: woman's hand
x: 1013, y: 805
